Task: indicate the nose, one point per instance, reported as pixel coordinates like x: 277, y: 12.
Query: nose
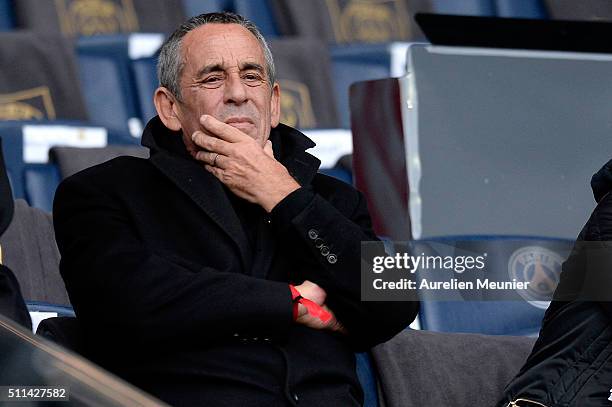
x: 235, y: 90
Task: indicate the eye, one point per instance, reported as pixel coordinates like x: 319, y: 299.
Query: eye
x: 253, y: 78
x: 212, y: 81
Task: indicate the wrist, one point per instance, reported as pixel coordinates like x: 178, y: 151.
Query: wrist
x: 270, y: 200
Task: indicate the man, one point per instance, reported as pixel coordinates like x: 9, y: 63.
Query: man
x: 179, y: 266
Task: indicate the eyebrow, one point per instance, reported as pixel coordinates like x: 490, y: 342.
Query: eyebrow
x: 205, y: 70
x: 247, y: 66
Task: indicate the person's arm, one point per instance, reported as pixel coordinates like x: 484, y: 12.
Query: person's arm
x: 331, y: 257
x: 116, y: 283
x: 252, y: 173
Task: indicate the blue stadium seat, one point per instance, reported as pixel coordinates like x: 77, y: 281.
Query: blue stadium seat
x: 78, y: 18
x: 26, y: 154
x: 107, y: 79
x: 260, y: 12
x: 522, y: 9
x: 195, y: 7
x: 338, y: 173
x: 145, y: 77
x: 60, y: 310
x: 354, y: 63
x: 40, y: 311
x: 465, y: 7
x: 41, y: 181
x: 490, y: 316
x: 7, y: 16
x: 500, y: 8
x: 366, y: 373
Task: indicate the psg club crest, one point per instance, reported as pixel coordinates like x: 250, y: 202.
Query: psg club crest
x: 540, y: 267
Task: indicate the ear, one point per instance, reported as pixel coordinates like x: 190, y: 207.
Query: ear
x: 167, y: 108
x: 275, y: 105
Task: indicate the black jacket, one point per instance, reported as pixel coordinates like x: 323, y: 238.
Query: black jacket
x: 162, y: 278
x: 571, y: 362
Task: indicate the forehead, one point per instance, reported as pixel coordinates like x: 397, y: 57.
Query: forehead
x: 225, y: 44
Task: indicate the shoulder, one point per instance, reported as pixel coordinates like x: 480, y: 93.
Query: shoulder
x: 116, y: 171
x: 110, y: 177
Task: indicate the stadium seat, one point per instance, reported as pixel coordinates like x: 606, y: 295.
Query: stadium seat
x: 7, y: 18
x: 29, y: 249
x: 27, y: 147
x: 596, y: 10
x: 522, y: 9
x: 41, y: 180
x: 366, y: 373
x: 28, y: 244
x: 43, y: 85
x: 465, y: 7
x: 145, y: 77
x: 83, y: 18
x: 304, y: 74
x: 354, y: 63
x: 338, y: 173
x: 196, y: 7
x: 71, y: 160
x: 261, y: 13
x: 108, y: 80
x: 433, y: 369
x: 525, y: 258
x: 41, y: 311
x: 348, y: 22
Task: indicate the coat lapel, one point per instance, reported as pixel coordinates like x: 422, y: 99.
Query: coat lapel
x: 206, y: 191
x: 289, y: 147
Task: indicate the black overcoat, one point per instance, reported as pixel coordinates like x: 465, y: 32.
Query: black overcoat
x: 161, y: 276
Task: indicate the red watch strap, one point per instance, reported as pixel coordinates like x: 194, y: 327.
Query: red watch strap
x: 294, y: 293
x: 312, y: 307
x: 295, y: 297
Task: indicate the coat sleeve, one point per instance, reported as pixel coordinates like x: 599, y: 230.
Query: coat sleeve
x: 117, y: 284
x: 331, y: 242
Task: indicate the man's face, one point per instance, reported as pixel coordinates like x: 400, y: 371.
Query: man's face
x: 225, y: 76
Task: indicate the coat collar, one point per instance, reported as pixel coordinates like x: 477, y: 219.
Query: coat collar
x: 169, y: 155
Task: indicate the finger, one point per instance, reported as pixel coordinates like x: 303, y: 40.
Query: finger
x: 217, y: 172
x: 268, y: 149
x: 211, y: 143
x: 211, y: 158
x: 222, y: 130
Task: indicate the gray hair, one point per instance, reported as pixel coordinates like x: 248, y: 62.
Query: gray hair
x: 170, y: 63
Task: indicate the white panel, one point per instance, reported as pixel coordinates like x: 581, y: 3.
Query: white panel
x: 38, y: 139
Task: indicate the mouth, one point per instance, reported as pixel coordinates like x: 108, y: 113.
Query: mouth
x: 239, y: 121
